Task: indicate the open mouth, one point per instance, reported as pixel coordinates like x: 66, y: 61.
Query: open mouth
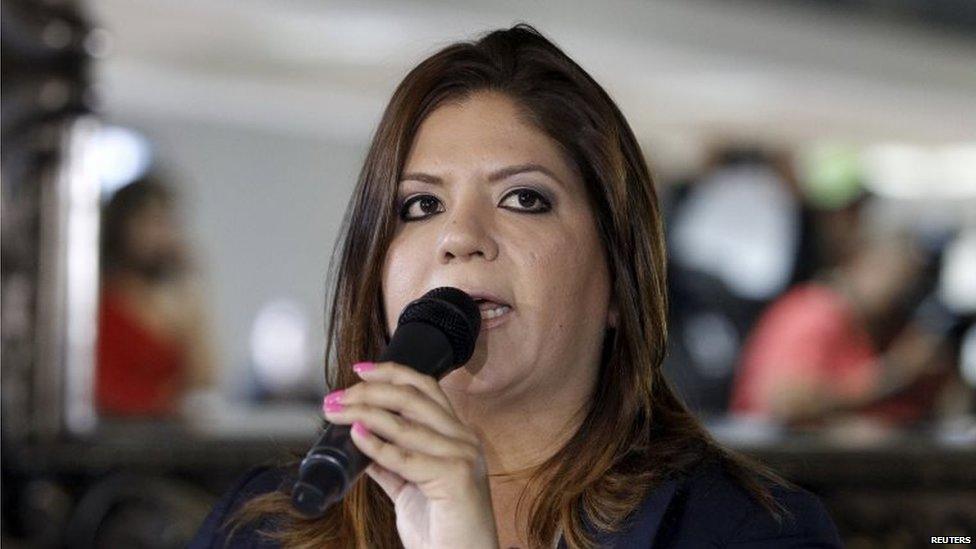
x: 491, y: 310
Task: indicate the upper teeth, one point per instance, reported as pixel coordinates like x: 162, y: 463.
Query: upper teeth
x: 492, y: 310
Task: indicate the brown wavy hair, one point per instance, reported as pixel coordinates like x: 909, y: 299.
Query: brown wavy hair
x: 640, y: 434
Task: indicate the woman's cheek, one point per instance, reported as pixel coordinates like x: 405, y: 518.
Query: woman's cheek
x: 398, y: 283
x: 556, y: 257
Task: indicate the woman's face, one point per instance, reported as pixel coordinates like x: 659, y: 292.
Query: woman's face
x: 154, y: 245
x: 489, y: 205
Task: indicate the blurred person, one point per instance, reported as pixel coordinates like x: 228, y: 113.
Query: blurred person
x: 153, y: 349
x: 841, y: 344
x: 717, y: 229
x: 502, y: 168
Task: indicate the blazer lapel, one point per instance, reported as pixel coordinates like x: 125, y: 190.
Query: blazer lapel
x: 640, y: 530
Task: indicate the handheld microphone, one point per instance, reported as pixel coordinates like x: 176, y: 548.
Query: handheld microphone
x: 435, y: 334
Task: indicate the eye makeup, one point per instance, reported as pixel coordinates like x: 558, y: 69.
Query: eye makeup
x: 413, y: 207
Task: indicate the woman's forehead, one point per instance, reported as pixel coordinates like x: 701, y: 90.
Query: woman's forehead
x: 484, y: 133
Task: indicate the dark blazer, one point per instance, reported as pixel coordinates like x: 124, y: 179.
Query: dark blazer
x: 704, y: 509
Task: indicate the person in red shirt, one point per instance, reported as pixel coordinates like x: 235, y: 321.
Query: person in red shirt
x: 818, y: 350
x: 152, y: 346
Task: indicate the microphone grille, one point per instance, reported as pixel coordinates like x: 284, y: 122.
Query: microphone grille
x: 453, y: 312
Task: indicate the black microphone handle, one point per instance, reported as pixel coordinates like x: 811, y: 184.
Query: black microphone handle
x: 334, y: 463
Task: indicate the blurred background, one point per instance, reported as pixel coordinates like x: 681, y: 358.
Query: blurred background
x: 174, y: 175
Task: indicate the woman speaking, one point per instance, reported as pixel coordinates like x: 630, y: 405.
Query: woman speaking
x: 501, y: 168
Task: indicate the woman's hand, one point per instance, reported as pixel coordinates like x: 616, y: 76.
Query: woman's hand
x: 429, y: 463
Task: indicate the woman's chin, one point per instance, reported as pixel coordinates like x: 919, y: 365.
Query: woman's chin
x: 482, y: 381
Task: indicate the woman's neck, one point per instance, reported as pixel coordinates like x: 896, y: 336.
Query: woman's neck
x: 517, y: 437
x: 520, y: 434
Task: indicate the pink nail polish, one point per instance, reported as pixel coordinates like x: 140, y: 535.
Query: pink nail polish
x: 360, y: 428
x: 361, y: 367
x: 335, y: 397
x: 333, y: 407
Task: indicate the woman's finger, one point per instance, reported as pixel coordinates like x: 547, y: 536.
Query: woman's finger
x: 398, y: 374
x: 431, y: 472
x: 406, y: 400
x: 400, y: 431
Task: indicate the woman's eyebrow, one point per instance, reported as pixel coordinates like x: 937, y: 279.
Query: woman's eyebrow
x: 498, y: 175
x: 505, y: 173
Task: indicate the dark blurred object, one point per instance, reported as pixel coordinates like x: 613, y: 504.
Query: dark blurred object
x: 45, y: 75
x: 868, y: 483
x: 44, y: 66
x: 46, y: 55
x: 126, y: 510
x: 955, y: 15
x: 925, y: 303
x: 891, y: 493
x: 707, y: 326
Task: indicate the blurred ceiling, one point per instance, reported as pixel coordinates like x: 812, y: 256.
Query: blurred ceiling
x: 947, y: 15
x: 683, y: 72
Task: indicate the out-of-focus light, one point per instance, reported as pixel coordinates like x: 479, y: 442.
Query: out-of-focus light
x: 830, y: 175
x: 719, y: 230
x: 118, y: 156
x: 957, y: 279
x: 912, y: 172
x: 967, y: 357
x: 279, y: 346
x: 959, y: 166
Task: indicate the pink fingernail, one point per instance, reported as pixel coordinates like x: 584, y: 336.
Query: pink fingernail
x: 361, y: 367
x: 333, y: 407
x: 335, y: 397
x: 360, y: 428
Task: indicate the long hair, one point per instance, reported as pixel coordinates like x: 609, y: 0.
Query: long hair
x: 640, y: 434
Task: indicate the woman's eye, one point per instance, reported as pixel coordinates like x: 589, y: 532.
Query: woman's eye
x: 419, y: 207
x: 527, y: 200
x: 522, y: 200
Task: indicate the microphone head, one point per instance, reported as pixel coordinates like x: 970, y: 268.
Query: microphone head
x: 453, y: 312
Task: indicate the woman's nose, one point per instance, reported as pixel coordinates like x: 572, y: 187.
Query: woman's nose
x: 467, y: 233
